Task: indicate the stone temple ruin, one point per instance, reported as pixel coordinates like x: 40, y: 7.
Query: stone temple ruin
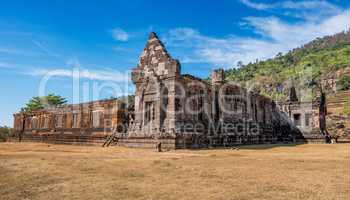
x: 174, y: 109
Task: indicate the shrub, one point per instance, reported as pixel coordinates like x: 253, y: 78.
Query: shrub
x: 4, y: 133
x: 344, y: 83
x: 347, y: 107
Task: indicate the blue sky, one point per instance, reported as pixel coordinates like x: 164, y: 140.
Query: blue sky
x: 103, y: 40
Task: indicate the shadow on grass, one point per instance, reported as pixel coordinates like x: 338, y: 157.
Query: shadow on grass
x: 246, y: 146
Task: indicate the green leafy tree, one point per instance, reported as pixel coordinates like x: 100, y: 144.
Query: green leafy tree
x: 344, y: 83
x: 4, y: 133
x: 37, y: 103
x: 279, y: 55
x: 129, y: 100
x: 239, y: 64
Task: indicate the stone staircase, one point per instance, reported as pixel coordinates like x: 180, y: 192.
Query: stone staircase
x: 111, y: 140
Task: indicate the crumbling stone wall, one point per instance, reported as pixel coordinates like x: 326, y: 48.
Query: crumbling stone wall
x: 171, y: 105
x: 181, y: 111
x: 72, y: 123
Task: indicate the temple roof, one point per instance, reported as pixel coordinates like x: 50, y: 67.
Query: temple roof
x: 154, y: 52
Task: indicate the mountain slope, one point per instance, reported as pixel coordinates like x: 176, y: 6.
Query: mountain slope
x: 324, y: 60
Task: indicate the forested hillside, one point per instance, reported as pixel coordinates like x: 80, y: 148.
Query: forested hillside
x: 322, y: 60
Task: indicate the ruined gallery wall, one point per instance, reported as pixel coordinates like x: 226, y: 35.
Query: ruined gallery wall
x: 304, y: 115
x: 86, y: 118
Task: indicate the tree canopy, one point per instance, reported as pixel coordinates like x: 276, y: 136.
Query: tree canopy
x: 4, y: 133
x: 37, y: 103
x: 344, y: 83
x: 306, y: 67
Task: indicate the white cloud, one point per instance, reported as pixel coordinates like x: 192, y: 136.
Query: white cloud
x: 218, y: 51
x: 296, y: 5
x: 5, y: 65
x: 308, y: 9
x: 100, y: 75
x: 258, y: 6
x: 120, y: 35
x: 76, y: 71
x: 298, y: 33
x: 8, y: 65
x: 21, y: 52
x: 72, y: 69
x: 275, y: 35
x: 73, y: 62
x: 8, y: 50
x: 45, y: 49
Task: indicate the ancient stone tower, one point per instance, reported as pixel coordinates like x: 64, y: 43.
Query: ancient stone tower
x: 155, y: 78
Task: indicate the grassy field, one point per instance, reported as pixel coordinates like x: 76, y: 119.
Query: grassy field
x: 42, y: 171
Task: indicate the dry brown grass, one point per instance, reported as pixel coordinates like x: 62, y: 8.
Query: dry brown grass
x: 41, y: 171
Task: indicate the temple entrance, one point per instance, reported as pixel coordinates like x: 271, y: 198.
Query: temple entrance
x: 149, y: 112
x: 164, y: 108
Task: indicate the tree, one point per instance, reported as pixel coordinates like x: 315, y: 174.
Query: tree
x: 4, y: 133
x: 37, y: 103
x: 344, y: 83
x: 279, y: 55
x: 128, y: 100
x: 239, y: 64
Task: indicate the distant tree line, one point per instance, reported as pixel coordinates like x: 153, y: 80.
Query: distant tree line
x: 49, y: 101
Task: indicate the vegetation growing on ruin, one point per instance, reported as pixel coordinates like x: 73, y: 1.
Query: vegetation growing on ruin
x: 129, y: 100
x: 304, y: 67
x: 37, y: 103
